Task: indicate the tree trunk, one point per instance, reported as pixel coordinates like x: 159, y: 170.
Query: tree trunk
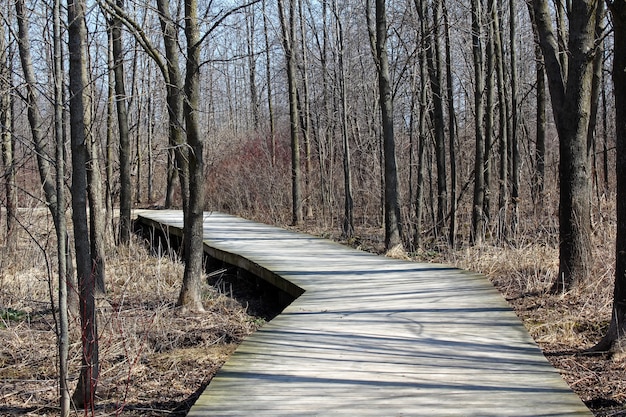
x: 514, y: 165
x: 288, y: 32
x: 436, y: 81
x: 571, y: 105
x: 393, y: 234
x: 490, y: 74
x: 7, y: 141
x: 478, y: 218
x: 122, y: 126
x: 419, y: 189
x: 34, y: 116
x: 538, y: 176
x: 305, y: 111
x: 270, y: 107
x: 190, y: 293
x: 451, y: 128
x: 348, y: 220
x: 61, y: 229
x: 80, y: 121
x: 174, y: 98
x: 615, y: 338
x: 254, y: 96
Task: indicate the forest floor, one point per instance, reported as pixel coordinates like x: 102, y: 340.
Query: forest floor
x: 155, y: 361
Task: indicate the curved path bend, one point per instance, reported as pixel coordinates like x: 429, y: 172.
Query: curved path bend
x: 372, y: 336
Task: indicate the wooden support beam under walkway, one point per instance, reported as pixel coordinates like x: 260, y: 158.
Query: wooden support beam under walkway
x: 371, y: 336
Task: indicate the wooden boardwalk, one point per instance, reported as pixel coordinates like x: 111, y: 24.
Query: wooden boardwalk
x: 372, y: 336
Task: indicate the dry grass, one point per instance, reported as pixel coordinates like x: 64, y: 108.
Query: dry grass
x: 153, y: 358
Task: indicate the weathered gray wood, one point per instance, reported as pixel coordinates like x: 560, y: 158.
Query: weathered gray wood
x: 373, y: 336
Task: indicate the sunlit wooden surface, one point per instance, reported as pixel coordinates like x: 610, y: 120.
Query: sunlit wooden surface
x: 373, y: 336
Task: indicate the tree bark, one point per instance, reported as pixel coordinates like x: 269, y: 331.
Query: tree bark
x: 80, y: 120
x: 393, y: 230
x: 122, y: 126
x: 288, y: 32
x: 190, y: 293
x: 7, y: 141
x: 478, y: 218
x: 451, y: 128
x: 174, y: 97
x: 571, y: 106
x: 348, y: 213
x: 61, y: 230
x: 615, y: 338
x: 34, y: 115
x: 433, y: 54
x: 538, y: 176
x: 270, y: 106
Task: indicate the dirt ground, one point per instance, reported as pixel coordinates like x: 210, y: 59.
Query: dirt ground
x: 156, y: 361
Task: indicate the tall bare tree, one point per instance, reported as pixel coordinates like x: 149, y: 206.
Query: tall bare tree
x: 393, y: 229
x: 190, y: 294
x: 115, y: 25
x: 433, y: 53
x: 36, y: 122
x: 288, y: 29
x: 615, y: 337
x: 7, y: 141
x: 570, y: 85
x: 478, y: 216
x: 80, y: 129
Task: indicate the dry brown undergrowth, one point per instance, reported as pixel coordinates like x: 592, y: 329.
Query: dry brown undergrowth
x: 153, y: 358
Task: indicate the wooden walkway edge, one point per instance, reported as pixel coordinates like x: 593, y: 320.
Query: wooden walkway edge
x: 372, y: 336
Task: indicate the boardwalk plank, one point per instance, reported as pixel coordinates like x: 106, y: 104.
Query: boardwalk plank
x: 373, y: 336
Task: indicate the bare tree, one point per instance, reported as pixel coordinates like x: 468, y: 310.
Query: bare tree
x: 393, y: 230
x: 80, y: 128
x: 478, y: 216
x: 6, y: 137
x: 288, y: 28
x: 348, y: 212
x: 571, y: 92
x: 433, y: 53
x: 190, y: 294
x: 115, y: 26
x: 614, y: 340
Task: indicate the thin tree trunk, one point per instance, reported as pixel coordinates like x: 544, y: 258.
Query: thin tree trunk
x: 478, y: 218
x: 538, y: 177
x: 254, y: 96
x: 190, y: 293
x: 288, y: 32
x: 174, y: 98
x: 306, y: 116
x: 348, y: 221
x: 268, y: 74
x: 122, y: 126
x: 503, y: 126
x: 61, y: 230
x: 80, y: 121
x: 34, y: 116
x: 393, y: 230
x: 513, y: 137
x: 7, y: 140
x: 490, y: 74
x: 436, y: 81
x: 451, y: 128
x: 419, y: 189
x: 110, y: 137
